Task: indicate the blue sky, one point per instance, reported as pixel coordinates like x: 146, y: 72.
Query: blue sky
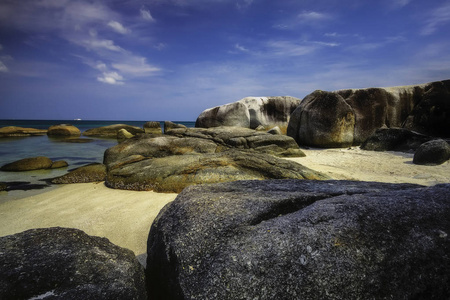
x: 171, y: 59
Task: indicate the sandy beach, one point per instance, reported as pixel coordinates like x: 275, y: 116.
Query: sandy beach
x: 125, y: 217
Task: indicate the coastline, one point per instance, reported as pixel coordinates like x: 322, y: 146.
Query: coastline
x: 125, y: 217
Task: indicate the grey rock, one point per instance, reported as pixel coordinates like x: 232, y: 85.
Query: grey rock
x: 63, y: 130
x: 90, y: 173
x: 300, y: 239
x: 394, y: 139
x: 433, y: 152
x: 28, y: 164
x: 250, y: 112
x: 112, y: 130
x: 65, y: 263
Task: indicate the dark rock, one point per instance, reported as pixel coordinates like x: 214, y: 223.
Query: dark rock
x: 22, y: 186
x: 64, y: 263
x: 112, y: 130
x: 299, y: 239
x: 394, y: 139
x: 250, y: 112
x: 90, y: 173
x: 59, y: 164
x: 434, y: 152
x: 323, y: 119
x: 14, y: 131
x: 275, y: 130
x: 28, y: 164
x: 152, y: 127
x: 77, y: 140
x: 63, y: 130
x: 3, y: 186
x: 174, y: 173
x: 168, y: 125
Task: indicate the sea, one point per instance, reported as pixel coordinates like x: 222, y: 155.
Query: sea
x: 75, y: 154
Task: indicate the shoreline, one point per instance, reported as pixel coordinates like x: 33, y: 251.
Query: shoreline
x: 125, y: 217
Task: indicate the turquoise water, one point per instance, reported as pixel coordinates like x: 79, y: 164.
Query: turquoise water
x: 76, y: 154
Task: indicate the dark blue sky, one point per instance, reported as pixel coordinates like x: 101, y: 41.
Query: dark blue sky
x: 171, y: 59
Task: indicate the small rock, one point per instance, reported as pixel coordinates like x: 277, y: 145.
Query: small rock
x: 168, y: 125
x: 434, y: 152
x: 63, y: 130
x: 153, y: 127
x: 90, y: 173
x: 275, y: 130
x: 28, y: 164
x: 59, y: 164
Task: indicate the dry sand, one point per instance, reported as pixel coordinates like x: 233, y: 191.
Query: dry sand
x: 125, y: 217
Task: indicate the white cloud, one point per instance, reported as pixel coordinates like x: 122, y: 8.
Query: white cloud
x: 116, y: 26
x: 3, y: 68
x: 243, y: 4
x: 436, y: 18
x: 288, y: 48
x: 95, y: 44
x: 111, y: 78
x: 136, y: 66
x: 312, y: 16
x: 241, y: 48
x: 145, y: 14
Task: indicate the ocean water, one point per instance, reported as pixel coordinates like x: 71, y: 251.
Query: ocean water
x: 76, y: 154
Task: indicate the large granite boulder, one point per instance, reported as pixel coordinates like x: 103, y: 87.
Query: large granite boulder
x: 90, y: 173
x: 15, y: 131
x: 394, y: 139
x: 65, y: 263
x: 250, y: 112
x: 323, y: 119
x: 300, y: 239
x: 28, y: 164
x: 112, y: 130
x: 433, y: 152
x: 422, y: 108
x: 63, y: 130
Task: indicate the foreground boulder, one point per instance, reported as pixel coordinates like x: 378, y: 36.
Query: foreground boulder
x: 28, y: 164
x: 63, y: 130
x: 422, y: 108
x: 15, y: 131
x: 296, y: 239
x: 251, y: 112
x: 64, y: 263
x: 111, y: 131
x: 434, y: 152
x: 90, y: 173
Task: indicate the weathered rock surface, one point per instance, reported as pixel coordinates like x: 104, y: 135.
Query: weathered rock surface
x: 250, y: 112
x: 59, y: 164
x: 90, y: 173
x: 395, y: 139
x: 64, y: 263
x: 300, y: 239
x: 63, y: 130
x: 434, y: 152
x: 186, y: 156
x: 13, y: 131
x: 28, y: 164
x: 169, y: 125
x: 123, y: 134
x: 422, y: 108
x: 112, y: 130
x: 153, y: 127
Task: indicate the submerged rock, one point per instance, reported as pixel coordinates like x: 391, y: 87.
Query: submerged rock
x: 15, y: 131
x: 90, y: 173
x: 434, y: 152
x: 28, y: 164
x: 112, y: 130
x: 301, y: 239
x: 63, y: 130
x: 64, y: 263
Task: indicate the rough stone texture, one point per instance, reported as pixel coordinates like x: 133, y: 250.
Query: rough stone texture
x: 112, y: 130
x: 63, y: 130
x: 174, y: 173
x: 59, y: 164
x: 123, y: 134
x: 90, y: 173
x: 323, y: 119
x: 250, y: 112
x: 422, y: 108
x: 152, y: 127
x: 13, y: 131
x: 169, y: 125
x: 64, y: 263
x: 299, y: 239
x: 28, y: 164
x: 434, y: 152
x: 394, y: 139
x: 275, y: 130
x: 3, y: 186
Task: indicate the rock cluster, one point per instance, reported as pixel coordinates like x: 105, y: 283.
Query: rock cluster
x: 348, y: 117
x: 152, y: 127
x: 33, y: 163
x: 111, y: 131
x: 250, y: 112
x: 15, y: 131
x: 301, y: 239
x: 197, y: 155
x: 64, y: 263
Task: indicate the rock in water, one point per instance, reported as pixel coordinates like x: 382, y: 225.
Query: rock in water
x: 63, y: 130
x: 28, y: 164
x: 90, y: 173
x: 65, y: 263
x: 433, y: 152
x: 169, y: 125
x: 152, y: 127
x: 13, y: 131
x: 112, y: 130
x: 300, y: 239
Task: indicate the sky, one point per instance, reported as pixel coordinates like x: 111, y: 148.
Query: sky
x: 172, y: 59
